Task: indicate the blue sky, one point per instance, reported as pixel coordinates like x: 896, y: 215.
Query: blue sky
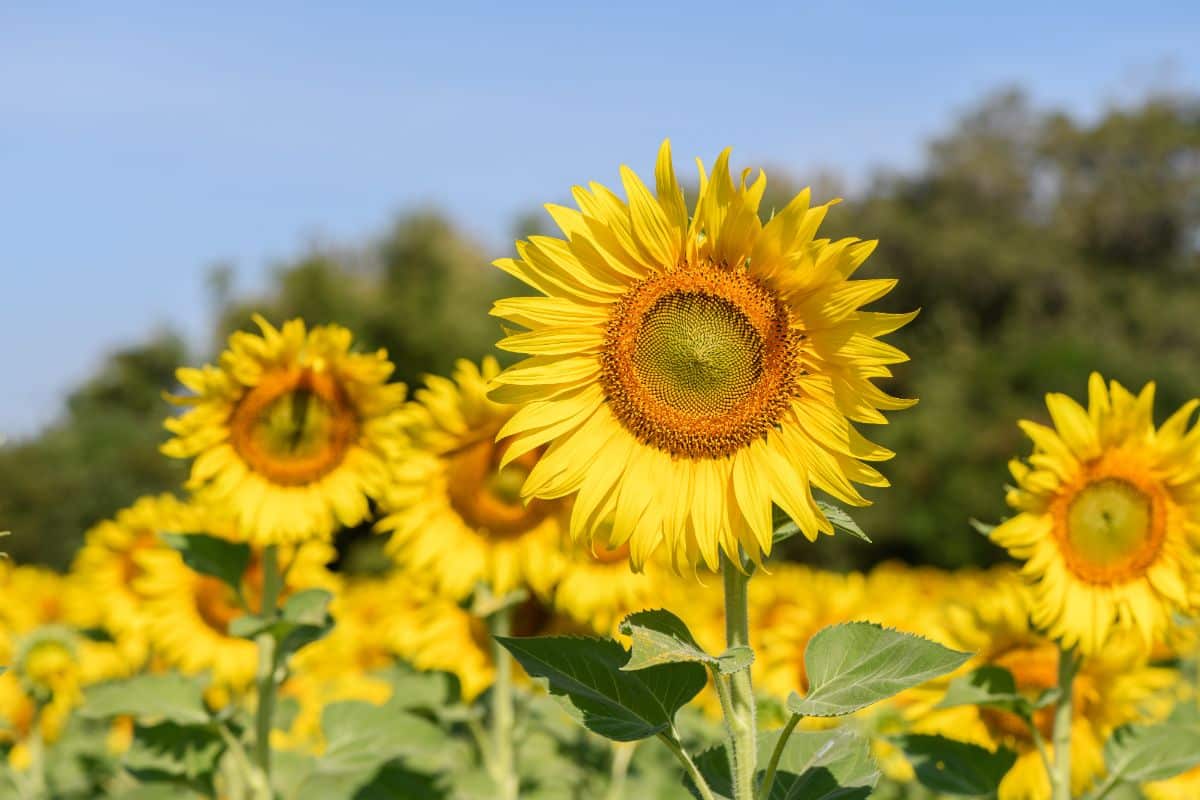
x: 140, y: 143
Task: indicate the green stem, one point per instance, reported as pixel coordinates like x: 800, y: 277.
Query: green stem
x: 503, y: 765
x: 1061, y: 779
x: 741, y: 725
x: 1040, y: 743
x: 776, y: 754
x: 622, y: 754
x: 671, y: 740
x: 268, y: 665
x: 37, y: 761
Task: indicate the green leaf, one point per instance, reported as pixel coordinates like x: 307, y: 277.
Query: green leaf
x: 841, y: 520
x: 785, y: 528
x: 821, y: 765
x: 169, y: 750
x: 735, y: 659
x: 374, y: 752
x: 170, y: 697
x: 1144, y: 753
x: 623, y: 706
x: 210, y: 555
x: 814, y: 765
x: 303, y: 619
x: 981, y: 527
x: 360, y: 737
x: 660, y: 637
x: 854, y: 664
x: 992, y: 686
x: 952, y: 767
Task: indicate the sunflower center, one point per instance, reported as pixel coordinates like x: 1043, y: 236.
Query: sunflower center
x: 697, y: 354
x: 1112, y: 528
x: 488, y: 498
x: 700, y: 361
x: 294, y: 427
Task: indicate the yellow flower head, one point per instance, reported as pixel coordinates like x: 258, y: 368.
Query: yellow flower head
x: 291, y: 432
x: 188, y: 613
x: 687, y: 372
x: 455, y: 513
x: 108, y: 564
x: 1108, y: 511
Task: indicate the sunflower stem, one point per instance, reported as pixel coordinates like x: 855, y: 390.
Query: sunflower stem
x: 741, y: 724
x: 37, y: 760
x: 622, y: 754
x: 776, y: 754
x: 268, y: 666
x: 1061, y: 779
x: 504, y: 768
x: 671, y: 740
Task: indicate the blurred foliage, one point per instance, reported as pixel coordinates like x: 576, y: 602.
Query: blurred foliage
x: 1039, y: 247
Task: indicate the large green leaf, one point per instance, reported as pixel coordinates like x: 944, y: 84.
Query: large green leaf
x: 659, y: 637
x: 815, y: 765
x: 1143, y: 753
x: 852, y: 665
x: 210, y: 555
x: 170, y: 697
x: 372, y: 750
x: 624, y: 706
x: 952, y: 767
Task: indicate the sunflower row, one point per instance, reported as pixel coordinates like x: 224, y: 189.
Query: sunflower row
x: 682, y: 375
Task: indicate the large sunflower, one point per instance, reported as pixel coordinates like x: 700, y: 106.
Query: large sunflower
x: 456, y: 514
x: 688, y: 372
x: 1109, y: 508
x: 291, y: 432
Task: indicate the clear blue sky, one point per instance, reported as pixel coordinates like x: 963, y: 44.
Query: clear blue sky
x: 140, y: 143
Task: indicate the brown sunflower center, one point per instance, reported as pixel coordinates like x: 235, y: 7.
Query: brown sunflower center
x: 294, y: 427
x: 700, y: 361
x: 488, y: 498
x: 1111, y: 528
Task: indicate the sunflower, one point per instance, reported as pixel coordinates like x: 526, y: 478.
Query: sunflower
x: 1109, y: 512
x: 1111, y: 688
x: 291, y: 431
x: 188, y: 613
x: 108, y: 565
x: 687, y: 373
x: 455, y: 512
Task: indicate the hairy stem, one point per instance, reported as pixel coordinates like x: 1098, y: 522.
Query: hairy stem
x: 503, y: 762
x: 1061, y: 779
x: 268, y: 664
x: 741, y: 726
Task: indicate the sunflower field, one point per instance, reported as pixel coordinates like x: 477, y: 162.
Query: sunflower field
x: 587, y: 591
